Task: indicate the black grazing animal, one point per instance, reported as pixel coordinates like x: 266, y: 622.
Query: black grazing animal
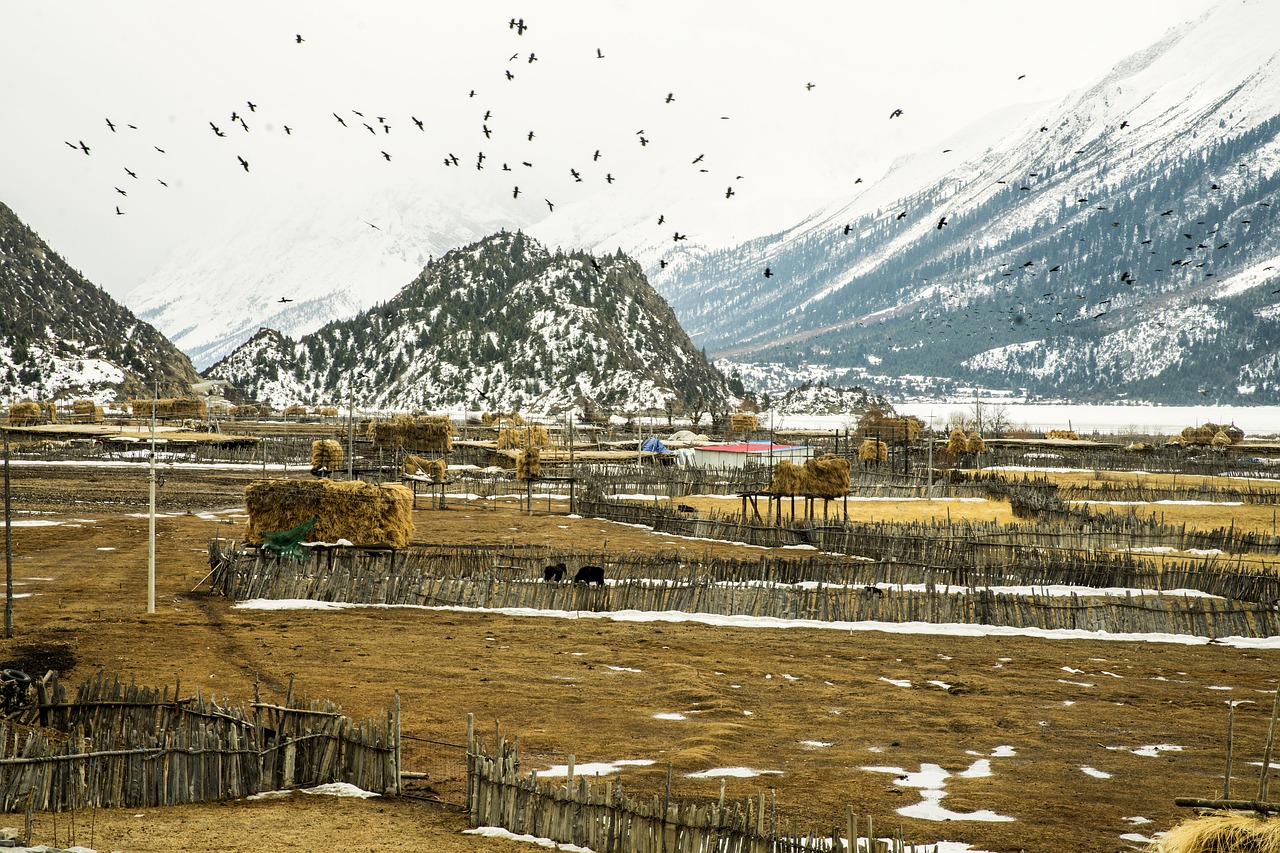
x: 685, y: 508
x: 873, y: 590
x: 553, y: 572
x: 589, y: 575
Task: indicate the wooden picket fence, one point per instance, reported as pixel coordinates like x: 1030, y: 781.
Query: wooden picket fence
x: 118, y: 745
x: 836, y: 592
x: 597, y: 814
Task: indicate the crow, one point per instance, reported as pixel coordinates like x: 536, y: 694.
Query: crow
x: 298, y: 38
x: 244, y: 163
x: 335, y: 115
x: 895, y: 113
x: 941, y: 222
x: 418, y: 122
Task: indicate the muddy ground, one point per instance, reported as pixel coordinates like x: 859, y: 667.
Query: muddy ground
x: 1074, y: 714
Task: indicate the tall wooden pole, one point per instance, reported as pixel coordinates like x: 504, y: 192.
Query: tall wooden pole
x: 8, y: 547
x: 151, y: 525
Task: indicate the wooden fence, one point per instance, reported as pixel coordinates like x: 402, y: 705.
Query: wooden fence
x: 840, y: 594
x: 597, y: 814
x: 129, y: 746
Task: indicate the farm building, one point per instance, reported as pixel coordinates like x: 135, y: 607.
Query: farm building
x: 745, y: 453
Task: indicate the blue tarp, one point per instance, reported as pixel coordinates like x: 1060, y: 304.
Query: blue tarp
x: 653, y: 445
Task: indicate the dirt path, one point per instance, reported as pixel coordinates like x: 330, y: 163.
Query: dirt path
x: 1046, y: 717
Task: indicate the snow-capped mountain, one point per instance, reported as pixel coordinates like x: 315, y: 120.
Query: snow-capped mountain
x: 62, y: 337
x: 1122, y: 241
x: 500, y: 324
x: 329, y: 260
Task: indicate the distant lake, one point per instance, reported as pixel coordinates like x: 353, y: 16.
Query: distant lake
x: 1256, y: 421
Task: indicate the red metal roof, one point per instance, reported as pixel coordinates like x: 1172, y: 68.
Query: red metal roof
x: 749, y: 447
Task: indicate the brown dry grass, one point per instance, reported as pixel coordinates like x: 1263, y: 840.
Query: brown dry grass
x: 590, y: 687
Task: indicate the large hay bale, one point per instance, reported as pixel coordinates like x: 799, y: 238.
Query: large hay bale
x: 957, y: 442
x: 326, y: 411
x: 530, y: 435
x: 1064, y: 434
x: 872, y: 451
x: 974, y: 444
x: 244, y: 411
x: 1139, y: 447
x: 294, y: 411
x: 880, y: 425
x: 501, y: 419
x: 170, y: 408
x: 788, y: 479
x: 437, y: 469
x: 529, y: 464
x: 431, y: 433
x: 1234, y: 433
x: 827, y: 477
x: 1221, y: 833
x: 1200, y: 436
x: 86, y: 412
x: 1220, y: 440
x: 26, y: 412
x: 326, y: 453
x: 362, y: 513
x: 743, y: 422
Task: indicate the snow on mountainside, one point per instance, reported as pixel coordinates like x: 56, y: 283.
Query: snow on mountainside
x: 500, y: 324
x: 337, y: 260
x: 1122, y: 241
x: 62, y: 337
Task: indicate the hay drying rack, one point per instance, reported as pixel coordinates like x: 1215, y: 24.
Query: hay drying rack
x: 1260, y: 806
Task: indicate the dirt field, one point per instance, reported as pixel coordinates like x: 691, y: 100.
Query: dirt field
x: 1039, y: 712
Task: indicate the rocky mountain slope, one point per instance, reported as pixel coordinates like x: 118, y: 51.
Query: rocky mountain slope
x: 500, y: 324
x: 62, y: 337
x: 1121, y: 243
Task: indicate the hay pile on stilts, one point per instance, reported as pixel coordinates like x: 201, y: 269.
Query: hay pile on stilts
x: 957, y: 442
x: 326, y: 411
x: 1064, y: 434
x: 433, y: 468
x: 361, y: 513
x: 326, y: 453
x: 529, y: 464
x: 427, y: 433
x: 86, y: 412
x: 788, y: 479
x: 26, y: 412
x: 502, y: 419
x: 974, y: 444
x: 170, y: 408
x: 244, y: 411
x: 1221, y: 833
x: 743, y: 422
x: 872, y: 451
x: 294, y: 411
x: 827, y: 477
x: 530, y: 435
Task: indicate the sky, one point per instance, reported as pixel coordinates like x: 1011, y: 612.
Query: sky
x: 650, y: 85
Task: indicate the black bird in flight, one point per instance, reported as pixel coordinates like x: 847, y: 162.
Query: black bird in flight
x: 217, y: 131
x: 335, y: 115
x: 518, y: 26
x: 902, y: 215
x: 670, y: 97
x: 253, y: 108
x: 728, y: 193
x: 808, y: 87
x: 599, y: 53
x: 530, y: 137
x: 510, y: 76
x: 451, y: 160
x: 662, y: 218
x: 244, y: 163
x: 577, y: 177
x: 643, y: 141
x: 595, y: 156
x: 84, y: 148
x: 532, y: 58
x: 609, y: 177
x: 283, y: 299
x: 1020, y: 76
x: 418, y: 122
x: 895, y: 113
x: 371, y: 225
x: 122, y: 192
x: 131, y: 173
x: 158, y: 148
x: 1168, y: 212
x: 515, y: 193
x: 662, y: 264
x: 110, y: 125
x: 288, y: 131
x: 550, y: 206
x: 848, y: 229
x: 386, y: 156
x: 941, y: 222
x: 768, y: 273
x: 488, y: 134
x: 298, y: 38
x: 162, y: 183
x: 678, y: 237
x: 698, y: 159
x: 119, y: 212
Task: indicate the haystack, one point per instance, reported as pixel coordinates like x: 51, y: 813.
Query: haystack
x: 957, y: 443
x: 431, y: 433
x: 743, y: 422
x: 244, y: 411
x: 877, y: 424
x: 327, y: 411
x: 294, y: 411
x: 1139, y: 447
x: 170, y: 408
x: 1234, y: 433
x: 788, y: 479
x: 501, y: 419
x: 872, y: 451
x: 86, y: 412
x: 1221, y: 833
x: 1220, y: 440
x: 361, y: 513
x: 25, y: 412
x: 326, y: 453
x: 531, y: 435
x: 1064, y: 434
x: 827, y: 477
x: 529, y: 464
x: 1201, y: 435
x: 433, y: 468
x: 974, y: 444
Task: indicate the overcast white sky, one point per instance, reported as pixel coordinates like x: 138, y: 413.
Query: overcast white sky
x: 170, y: 68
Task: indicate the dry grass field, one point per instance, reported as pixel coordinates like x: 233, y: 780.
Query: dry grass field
x: 1078, y: 742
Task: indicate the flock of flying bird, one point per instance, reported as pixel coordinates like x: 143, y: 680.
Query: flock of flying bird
x: 380, y: 127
